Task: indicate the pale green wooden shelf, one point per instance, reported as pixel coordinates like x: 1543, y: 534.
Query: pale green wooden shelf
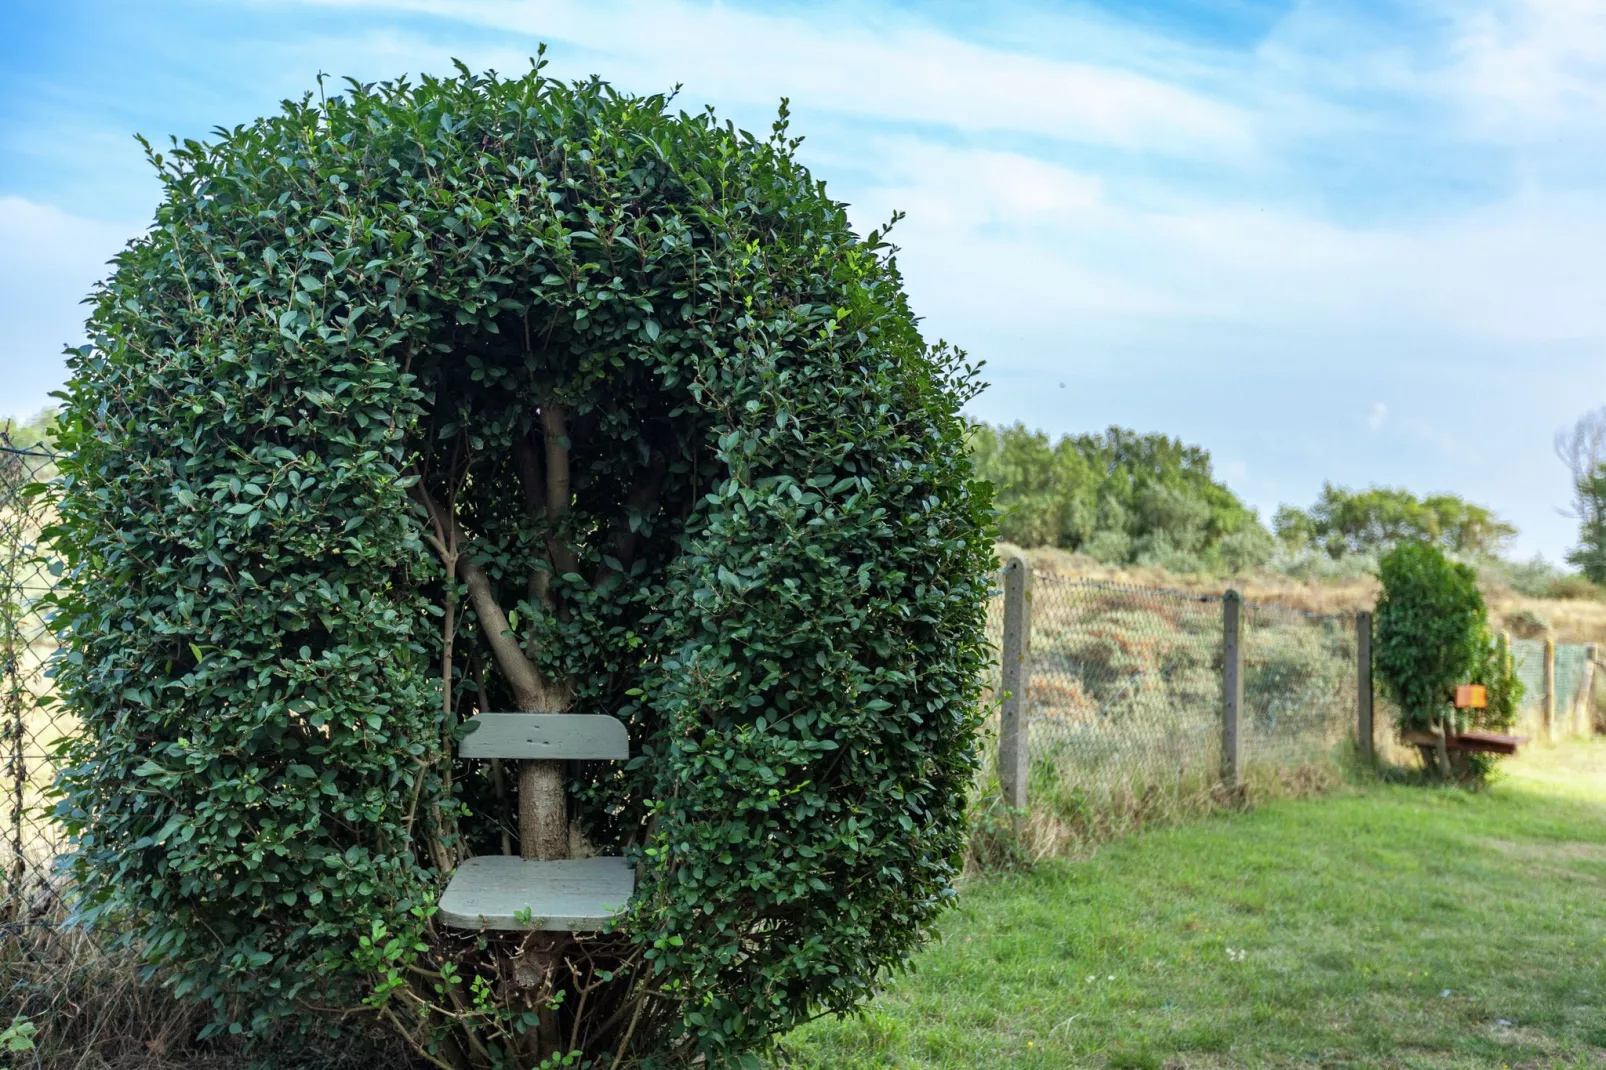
x: 567, y: 895
x: 545, y: 736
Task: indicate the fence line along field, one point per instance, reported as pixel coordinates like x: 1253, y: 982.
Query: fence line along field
x: 1125, y: 706
x: 1124, y: 698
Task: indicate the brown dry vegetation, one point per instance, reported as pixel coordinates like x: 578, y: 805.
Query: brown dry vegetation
x: 1566, y: 620
x: 88, y: 1005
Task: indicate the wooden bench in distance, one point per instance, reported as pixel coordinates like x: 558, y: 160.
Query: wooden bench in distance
x: 1486, y: 742
x: 560, y: 895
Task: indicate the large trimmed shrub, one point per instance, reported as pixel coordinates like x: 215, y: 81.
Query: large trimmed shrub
x: 375, y: 333
x: 1432, y: 634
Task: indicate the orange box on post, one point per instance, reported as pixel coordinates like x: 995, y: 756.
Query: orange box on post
x: 1471, y: 697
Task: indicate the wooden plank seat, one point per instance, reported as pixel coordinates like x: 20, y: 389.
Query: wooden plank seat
x: 558, y: 895
x: 1486, y: 742
x: 568, y: 895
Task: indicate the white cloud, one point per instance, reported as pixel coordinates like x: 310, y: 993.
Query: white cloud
x: 1407, y: 207
x: 896, y: 70
x: 1052, y: 242
x: 1526, y: 67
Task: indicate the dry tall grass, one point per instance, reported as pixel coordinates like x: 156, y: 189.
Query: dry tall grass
x: 1124, y: 708
x: 83, y: 1003
x: 1566, y: 620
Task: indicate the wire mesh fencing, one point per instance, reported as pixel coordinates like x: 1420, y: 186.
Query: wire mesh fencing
x: 1126, y: 711
x: 1125, y: 690
x: 1124, y: 686
x: 1300, y: 678
x: 1572, y: 679
x: 28, y: 727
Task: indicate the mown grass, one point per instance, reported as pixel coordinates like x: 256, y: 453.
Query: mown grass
x: 1388, y: 925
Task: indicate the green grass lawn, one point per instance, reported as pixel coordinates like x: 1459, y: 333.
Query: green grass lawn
x: 1390, y: 926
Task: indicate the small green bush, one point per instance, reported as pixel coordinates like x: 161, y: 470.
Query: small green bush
x: 1432, y: 634
x: 338, y: 364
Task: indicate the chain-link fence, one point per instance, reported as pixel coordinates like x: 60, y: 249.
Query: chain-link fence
x: 1125, y: 695
x: 1300, y: 676
x: 27, y: 728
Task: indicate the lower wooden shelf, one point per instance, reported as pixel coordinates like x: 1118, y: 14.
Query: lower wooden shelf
x: 567, y: 895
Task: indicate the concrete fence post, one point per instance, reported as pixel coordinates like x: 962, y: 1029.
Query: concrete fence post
x: 1547, y: 708
x: 1232, y: 691
x: 1013, y: 760
x: 1586, y: 693
x: 1364, y: 736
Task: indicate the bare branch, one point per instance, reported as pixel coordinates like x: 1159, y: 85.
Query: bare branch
x: 1582, y: 448
x: 528, y: 688
x: 527, y: 462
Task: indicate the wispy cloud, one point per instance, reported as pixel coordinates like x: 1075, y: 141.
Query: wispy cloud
x: 1236, y: 237
x: 1526, y: 69
x: 896, y: 69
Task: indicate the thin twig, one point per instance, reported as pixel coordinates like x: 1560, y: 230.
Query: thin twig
x: 624, y: 1045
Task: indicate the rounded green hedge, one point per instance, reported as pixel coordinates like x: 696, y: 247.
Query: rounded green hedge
x: 773, y: 566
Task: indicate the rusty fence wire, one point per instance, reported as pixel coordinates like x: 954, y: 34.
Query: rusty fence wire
x: 29, y: 840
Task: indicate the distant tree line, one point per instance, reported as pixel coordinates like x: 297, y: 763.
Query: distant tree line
x: 1119, y: 496
x: 1347, y: 521
x: 1128, y: 498
x: 36, y: 431
x: 1125, y: 498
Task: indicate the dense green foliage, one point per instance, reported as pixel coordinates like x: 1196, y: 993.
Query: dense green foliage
x: 1120, y: 496
x: 1374, y: 520
x: 1432, y: 633
x: 772, y: 565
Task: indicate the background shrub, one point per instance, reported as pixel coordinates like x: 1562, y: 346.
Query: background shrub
x: 1432, y: 634
x: 768, y: 560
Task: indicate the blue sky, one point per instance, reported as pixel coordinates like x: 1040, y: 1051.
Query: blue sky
x: 1358, y: 242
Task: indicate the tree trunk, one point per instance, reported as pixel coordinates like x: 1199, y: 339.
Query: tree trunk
x: 543, y: 820
x: 1441, y: 750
